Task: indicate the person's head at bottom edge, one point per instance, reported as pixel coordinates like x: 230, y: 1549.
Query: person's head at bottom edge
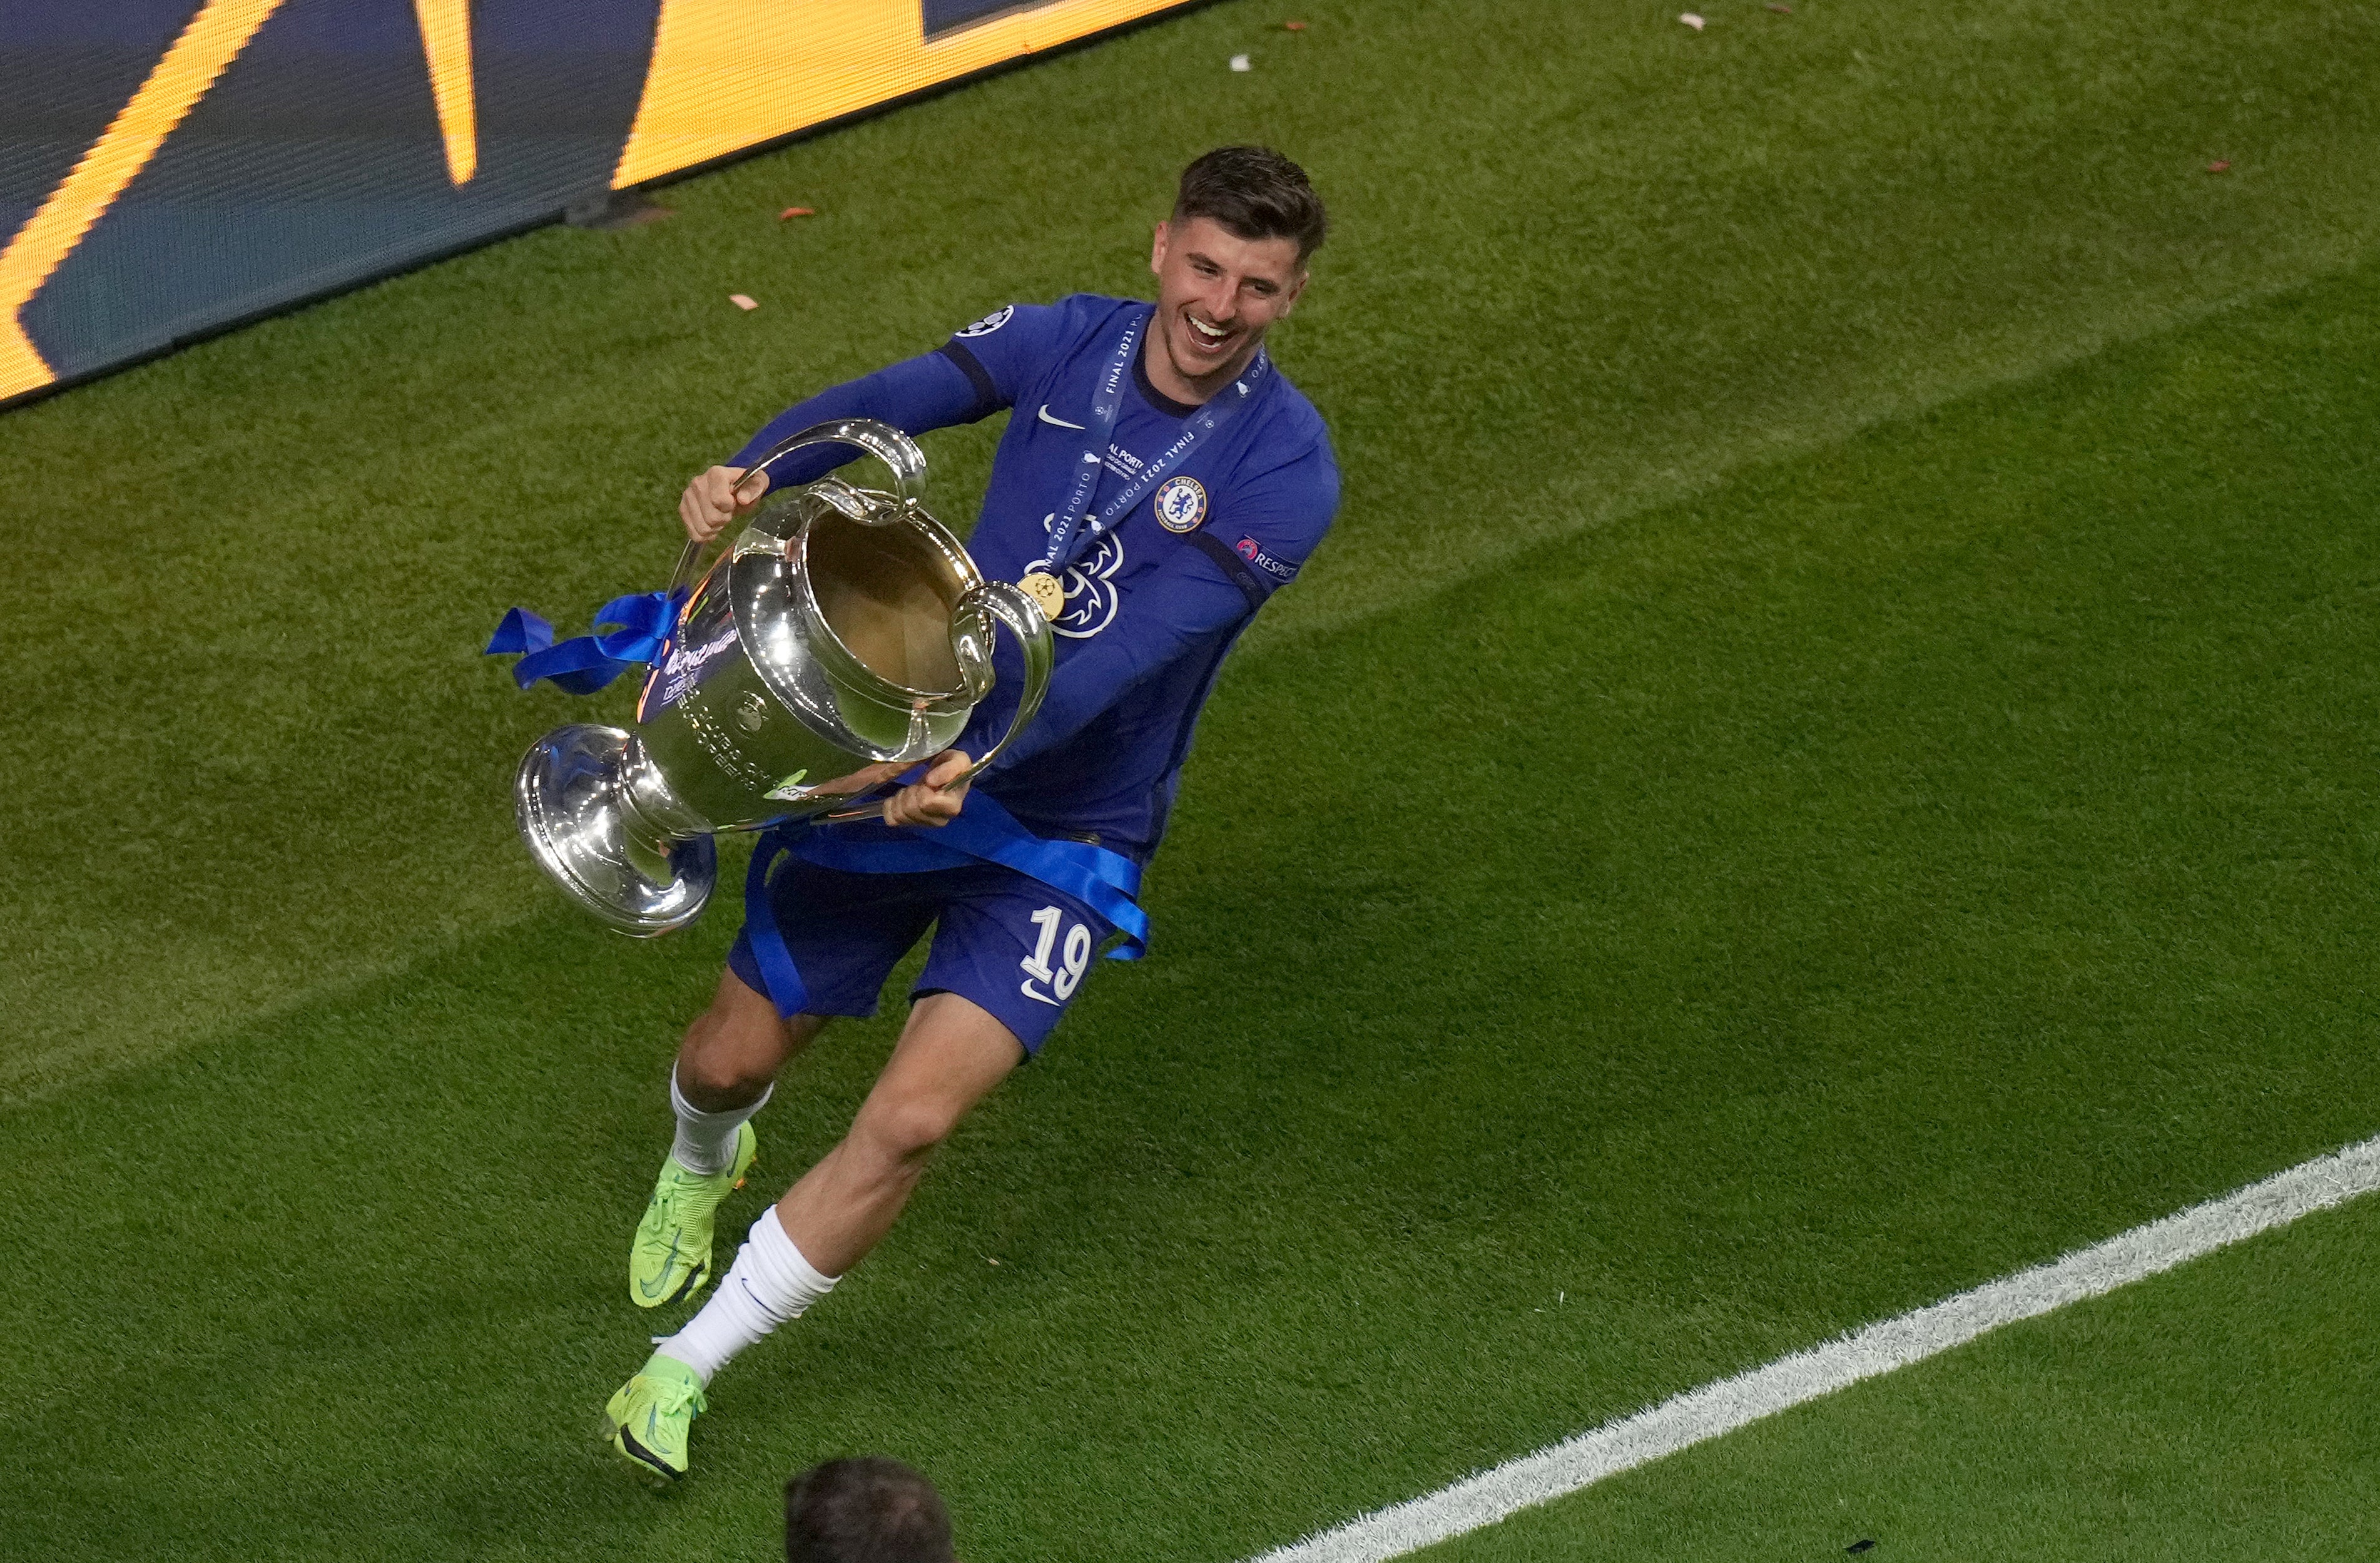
x: 866, y: 1508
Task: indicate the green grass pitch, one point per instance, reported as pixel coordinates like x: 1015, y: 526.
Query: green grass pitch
x: 2217, y: 1412
x: 1830, y: 756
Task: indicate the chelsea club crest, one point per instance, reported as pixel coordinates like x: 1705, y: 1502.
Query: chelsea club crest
x: 1181, y: 504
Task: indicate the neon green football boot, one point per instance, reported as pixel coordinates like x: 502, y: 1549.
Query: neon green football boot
x: 669, y: 1258
x: 651, y: 1415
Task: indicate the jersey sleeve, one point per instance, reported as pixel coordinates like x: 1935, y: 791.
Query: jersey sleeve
x: 1264, y: 529
x: 913, y: 395
x: 1007, y: 352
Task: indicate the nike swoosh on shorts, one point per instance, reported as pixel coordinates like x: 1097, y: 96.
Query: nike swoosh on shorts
x: 1059, y: 421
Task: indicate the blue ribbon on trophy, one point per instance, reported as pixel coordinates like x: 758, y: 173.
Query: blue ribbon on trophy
x: 589, y: 662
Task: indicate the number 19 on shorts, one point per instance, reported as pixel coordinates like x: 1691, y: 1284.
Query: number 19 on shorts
x: 1062, y: 979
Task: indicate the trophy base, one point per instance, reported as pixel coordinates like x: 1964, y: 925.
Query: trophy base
x: 572, y: 802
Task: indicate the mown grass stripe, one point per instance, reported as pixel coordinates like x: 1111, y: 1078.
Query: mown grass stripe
x: 1722, y: 1407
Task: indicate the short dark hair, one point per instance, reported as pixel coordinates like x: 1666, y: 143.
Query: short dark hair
x: 867, y: 1509
x: 1256, y: 193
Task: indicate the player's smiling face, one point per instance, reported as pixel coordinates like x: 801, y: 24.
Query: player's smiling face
x: 1217, y: 293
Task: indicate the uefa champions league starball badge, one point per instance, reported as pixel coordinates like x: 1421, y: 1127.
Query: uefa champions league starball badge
x: 1181, y: 504
x: 1048, y: 592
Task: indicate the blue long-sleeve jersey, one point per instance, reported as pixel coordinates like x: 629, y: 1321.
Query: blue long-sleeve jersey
x: 1154, y: 605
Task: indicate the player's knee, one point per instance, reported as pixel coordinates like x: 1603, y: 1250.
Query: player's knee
x: 715, y: 1081
x: 718, y: 1069
x: 731, y: 1054
x: 904, y: 1130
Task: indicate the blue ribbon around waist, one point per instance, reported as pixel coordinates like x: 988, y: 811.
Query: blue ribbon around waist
x: 983, y: 832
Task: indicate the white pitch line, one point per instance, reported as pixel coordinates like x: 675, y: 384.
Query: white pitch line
x: 1729, y: 1403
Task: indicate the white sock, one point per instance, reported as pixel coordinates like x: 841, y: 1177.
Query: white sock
x: 706, y: 1140
x: 769, y: 1284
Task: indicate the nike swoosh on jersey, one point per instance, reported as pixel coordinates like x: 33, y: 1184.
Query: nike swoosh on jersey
x: 1027, y: 988
x: 1059, y: 421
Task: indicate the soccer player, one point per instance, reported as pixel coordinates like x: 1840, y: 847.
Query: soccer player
x: 1157, y: 482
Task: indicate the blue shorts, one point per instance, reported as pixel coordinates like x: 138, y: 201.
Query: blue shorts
x: 1007, y: 941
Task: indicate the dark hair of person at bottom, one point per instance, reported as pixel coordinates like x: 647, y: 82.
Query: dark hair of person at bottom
x: 867, y: 1509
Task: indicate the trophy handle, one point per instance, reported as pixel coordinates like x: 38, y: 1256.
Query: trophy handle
x: 1009, y: 606
x: 1024, y: 621
x: 883, y: 442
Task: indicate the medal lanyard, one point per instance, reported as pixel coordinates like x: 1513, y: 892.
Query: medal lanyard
x: 1075, y: 528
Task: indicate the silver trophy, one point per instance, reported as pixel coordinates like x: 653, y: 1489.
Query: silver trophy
x: 842, y: 636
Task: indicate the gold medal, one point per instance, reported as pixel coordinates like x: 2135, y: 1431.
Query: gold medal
x: 1049, y: 593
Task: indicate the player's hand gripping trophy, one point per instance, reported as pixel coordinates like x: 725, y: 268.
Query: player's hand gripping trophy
x: 842, y: 635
